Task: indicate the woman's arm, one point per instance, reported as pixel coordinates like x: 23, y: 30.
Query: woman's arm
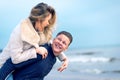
x: 17, y: 50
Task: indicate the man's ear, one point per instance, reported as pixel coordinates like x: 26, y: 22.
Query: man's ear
x: 53, y: 39
x: 65, y: 49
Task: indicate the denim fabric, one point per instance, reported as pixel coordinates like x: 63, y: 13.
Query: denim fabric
x: 6, y: 69
x: 10, y: 77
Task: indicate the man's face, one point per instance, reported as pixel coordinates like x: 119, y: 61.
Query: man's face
x: 60, y: 43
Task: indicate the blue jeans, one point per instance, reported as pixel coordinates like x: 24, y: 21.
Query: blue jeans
x: 10, y: 77
x: 6, y: 69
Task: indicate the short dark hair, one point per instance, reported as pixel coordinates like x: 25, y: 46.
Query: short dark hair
x: 68, y: 34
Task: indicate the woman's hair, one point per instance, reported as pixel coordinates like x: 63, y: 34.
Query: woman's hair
x: 40, y: 12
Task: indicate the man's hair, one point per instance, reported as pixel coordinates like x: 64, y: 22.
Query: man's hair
x: 66, y: 34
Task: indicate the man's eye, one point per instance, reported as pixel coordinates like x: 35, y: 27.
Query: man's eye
x: 64, y: 43
x: 59, y: 39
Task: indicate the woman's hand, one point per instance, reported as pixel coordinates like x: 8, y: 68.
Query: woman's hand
x: 42, y: 51
x: 64, y: 65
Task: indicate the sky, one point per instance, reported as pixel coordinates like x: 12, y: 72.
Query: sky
x: 93, y: 23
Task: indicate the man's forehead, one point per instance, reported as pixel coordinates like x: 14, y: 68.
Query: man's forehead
x: 62, y: 36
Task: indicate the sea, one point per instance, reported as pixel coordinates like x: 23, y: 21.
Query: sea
x: 91, y: 64
x: 94, y: 63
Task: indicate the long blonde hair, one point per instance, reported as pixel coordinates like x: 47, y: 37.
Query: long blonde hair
x: 41, y: 11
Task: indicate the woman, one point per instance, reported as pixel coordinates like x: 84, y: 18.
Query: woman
x: 35, y: 30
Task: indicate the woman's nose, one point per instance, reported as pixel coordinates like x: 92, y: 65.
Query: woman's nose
x: 48, y: 23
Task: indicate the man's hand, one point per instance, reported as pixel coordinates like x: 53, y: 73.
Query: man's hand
x: 42, y: 51
x: 64, y: 65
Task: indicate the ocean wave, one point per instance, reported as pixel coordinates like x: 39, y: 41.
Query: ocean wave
x: 98, y: 71
x: 91, y: 59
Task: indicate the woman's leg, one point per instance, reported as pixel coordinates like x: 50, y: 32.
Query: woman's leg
x: 6, y: 69
x: 10, y: 77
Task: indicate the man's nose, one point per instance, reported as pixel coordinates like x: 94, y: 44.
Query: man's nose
x: 60, y: 42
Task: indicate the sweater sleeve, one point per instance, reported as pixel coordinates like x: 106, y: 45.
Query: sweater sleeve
x: 24, y: 56
x: 16, y: 48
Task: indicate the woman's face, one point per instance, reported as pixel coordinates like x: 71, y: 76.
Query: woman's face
x: 41, y: 25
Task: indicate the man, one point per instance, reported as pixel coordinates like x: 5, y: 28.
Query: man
x: 38, y: 68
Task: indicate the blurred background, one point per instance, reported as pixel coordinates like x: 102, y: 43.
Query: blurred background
x: 95, y: 26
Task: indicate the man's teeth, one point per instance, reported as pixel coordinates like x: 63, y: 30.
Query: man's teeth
x: 58, y: 46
